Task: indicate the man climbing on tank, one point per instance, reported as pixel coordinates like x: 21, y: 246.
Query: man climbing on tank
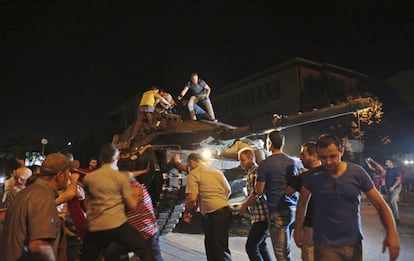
x: 200, y: 93
x: 146, y: 110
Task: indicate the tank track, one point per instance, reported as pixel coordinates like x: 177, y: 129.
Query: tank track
x: 171, y: 203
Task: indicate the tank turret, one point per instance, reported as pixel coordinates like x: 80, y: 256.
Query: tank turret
x: 189, y: 134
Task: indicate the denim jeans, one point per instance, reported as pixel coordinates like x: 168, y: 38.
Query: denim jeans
x: 216, y: 227
x: 338, y: 253
x: 207, y: 103
x: 392, y: 198
x: 256, y: 247
x: 280, y: 228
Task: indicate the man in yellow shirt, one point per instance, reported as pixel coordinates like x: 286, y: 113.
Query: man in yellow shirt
x: 146, y: 109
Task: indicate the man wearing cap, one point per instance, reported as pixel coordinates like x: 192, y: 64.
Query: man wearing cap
x: 32, y: 227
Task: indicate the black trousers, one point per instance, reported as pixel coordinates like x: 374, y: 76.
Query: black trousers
x: 216, y: 229
x: 125, y: 235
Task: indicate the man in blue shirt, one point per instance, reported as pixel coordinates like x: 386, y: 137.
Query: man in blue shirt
x: 275, y: 173
x: 200, y: 93
x: 336, y: 189
x: 393, y: 185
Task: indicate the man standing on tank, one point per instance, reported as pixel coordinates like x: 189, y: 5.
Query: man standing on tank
x: 200, y: 91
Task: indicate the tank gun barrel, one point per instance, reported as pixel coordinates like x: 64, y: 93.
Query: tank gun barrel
x: 276, y: 122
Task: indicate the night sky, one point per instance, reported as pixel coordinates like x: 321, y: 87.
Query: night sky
x: 67, y: 66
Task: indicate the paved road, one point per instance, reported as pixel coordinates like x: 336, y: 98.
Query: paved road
x: 184, y: 246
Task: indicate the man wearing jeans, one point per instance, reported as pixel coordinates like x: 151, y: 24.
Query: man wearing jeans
x: 200, y: 93
x: 393, y: 185
x: 310, y: 160
x: 275, y: 173
x: 256, y: 247
x: 336, y: 189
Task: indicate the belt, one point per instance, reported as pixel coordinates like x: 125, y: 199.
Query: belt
x: 218, y: 210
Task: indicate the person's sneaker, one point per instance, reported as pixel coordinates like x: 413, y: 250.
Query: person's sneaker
x: 215, y: 120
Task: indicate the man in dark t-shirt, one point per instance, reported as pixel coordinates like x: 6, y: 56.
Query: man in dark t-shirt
x: 200, y: 92
x: 393, y: 184
x: 310, y: 160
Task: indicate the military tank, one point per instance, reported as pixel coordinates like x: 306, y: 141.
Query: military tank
x: 218, y: 142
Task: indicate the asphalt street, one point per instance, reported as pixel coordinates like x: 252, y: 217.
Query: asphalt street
x: 190, y: 245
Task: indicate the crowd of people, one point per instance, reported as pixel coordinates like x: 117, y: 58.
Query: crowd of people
x: 64, y: 212
x: 60, y: 211
x: 316, y: 202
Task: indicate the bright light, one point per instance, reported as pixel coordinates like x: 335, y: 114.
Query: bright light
x: 206, y: 154
x: 69, y: 143
x: 408, y: 162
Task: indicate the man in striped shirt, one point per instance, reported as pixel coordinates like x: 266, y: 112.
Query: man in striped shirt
x: 143, y: 219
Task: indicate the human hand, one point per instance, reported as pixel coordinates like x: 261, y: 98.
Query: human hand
x: 298, y: 237
x: 187, y: 217
x: 176, y: 158
x: 393, y: 247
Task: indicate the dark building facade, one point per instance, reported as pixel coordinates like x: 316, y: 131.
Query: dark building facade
x: 298, y: 85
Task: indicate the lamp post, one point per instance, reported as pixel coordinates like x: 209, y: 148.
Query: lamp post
x: 44, y: 141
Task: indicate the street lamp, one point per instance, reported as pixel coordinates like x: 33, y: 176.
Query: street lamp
x: 44, y: 141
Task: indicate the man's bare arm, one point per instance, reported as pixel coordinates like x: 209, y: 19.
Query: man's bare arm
x: 300, y: 215
x: 391, y: 240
